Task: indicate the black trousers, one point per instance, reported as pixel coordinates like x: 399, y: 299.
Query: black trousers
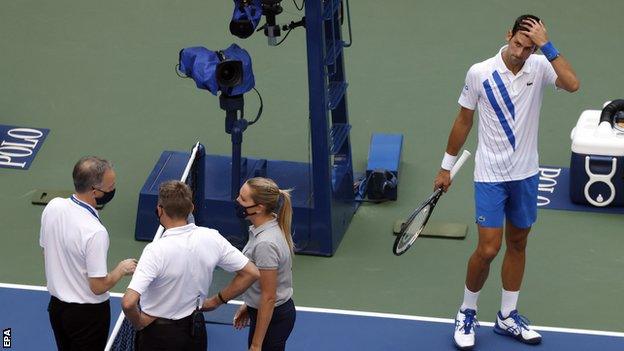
x: 282, y: 323
x: 174, y: 335
x: 78, y: 326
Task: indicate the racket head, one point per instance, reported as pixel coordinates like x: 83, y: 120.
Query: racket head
x: 411, y: 229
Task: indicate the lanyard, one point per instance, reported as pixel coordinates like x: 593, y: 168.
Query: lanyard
x: 85, y: 206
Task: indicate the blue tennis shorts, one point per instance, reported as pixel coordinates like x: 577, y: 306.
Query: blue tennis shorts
x: 515, y: 200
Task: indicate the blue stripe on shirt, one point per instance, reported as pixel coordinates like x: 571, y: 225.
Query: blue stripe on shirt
x: 499, y: 113
x: 504, y: 94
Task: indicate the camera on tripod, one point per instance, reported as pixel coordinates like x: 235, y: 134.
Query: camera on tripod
x: 227, y: 71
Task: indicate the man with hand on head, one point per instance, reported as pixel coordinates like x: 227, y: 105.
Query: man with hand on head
x: 173, y: 276
x: 507, y: 90
x: 75, y: 246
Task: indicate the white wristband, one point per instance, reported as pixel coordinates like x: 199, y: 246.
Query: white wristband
x: 448, y: 161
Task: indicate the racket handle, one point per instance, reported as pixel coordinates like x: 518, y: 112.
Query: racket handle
x: 460, y: 162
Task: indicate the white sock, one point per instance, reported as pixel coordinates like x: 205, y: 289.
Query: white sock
x: 509, y: 302
x: 470, y: 299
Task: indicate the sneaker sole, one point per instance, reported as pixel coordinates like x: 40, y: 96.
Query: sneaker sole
x: 498, y: 330
x: 463, y: 348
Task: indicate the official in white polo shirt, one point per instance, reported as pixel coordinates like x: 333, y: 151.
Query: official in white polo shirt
x: 174, y: 274
x: 75, y: 246
x: 507, y: 90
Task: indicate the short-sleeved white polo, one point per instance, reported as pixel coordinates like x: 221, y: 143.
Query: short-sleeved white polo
x: 509, y: 110
x: 175, y: 270
x: 75, y: 246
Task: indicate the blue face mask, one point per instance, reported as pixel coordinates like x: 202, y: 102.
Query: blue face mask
x: 241, y: 211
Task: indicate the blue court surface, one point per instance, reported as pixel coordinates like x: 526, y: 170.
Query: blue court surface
x: 23, y: 309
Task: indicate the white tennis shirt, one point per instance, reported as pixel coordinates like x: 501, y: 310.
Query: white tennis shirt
x: 509, y: 110
x: 175, y: 270
x: 75, y: 246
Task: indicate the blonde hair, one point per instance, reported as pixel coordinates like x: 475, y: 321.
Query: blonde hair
x: 264, y: 191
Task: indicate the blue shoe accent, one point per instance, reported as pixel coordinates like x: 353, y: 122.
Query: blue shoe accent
x: 470, y: 320
x: 464, y: 326
x: 520, y: 324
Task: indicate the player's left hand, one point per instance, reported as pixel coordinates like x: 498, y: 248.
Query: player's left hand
x: 536, y: 31
x: 442, y: 180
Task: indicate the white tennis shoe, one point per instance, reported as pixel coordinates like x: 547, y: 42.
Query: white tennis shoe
x: 465, y: 323
x: 516, y: 326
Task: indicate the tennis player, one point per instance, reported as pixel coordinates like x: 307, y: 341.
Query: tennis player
x: 174, y: 274
x: 75, y: 246
x: 268, y: 303
x: 507, y: 90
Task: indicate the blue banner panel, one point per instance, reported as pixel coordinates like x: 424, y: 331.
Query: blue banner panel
x: 554, y: 192
x: 19, y: 145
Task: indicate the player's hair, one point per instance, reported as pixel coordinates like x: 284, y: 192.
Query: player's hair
x: 265, y: 192
x: 88, y: 173
x: 517, y: 26
x: 176, y: 199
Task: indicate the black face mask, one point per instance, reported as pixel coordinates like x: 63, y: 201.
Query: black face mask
x: 108, y: 196
x: 158, y: 216
x: 241, y: 211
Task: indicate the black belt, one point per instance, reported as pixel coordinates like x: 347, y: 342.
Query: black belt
x: 195, y: 321
x: 165, y: 321
x: 58, y: 301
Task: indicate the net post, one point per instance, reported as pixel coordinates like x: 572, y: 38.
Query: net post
x: 116, y: 328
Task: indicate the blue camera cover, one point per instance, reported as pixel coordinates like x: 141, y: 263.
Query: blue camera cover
x: 251, y: 12
x: 200, y: 64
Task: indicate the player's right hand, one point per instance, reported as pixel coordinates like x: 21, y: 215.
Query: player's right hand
x: 442, y: 180
x: 536, y: 31
x: 127, y: 266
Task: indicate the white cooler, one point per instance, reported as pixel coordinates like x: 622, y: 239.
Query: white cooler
x: 597, y: 162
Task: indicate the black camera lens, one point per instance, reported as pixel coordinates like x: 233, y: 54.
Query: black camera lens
x: 242, y: 28
x: 229, y: 73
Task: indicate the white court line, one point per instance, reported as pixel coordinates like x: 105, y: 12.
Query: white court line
x: 374, y: 314
x: 38, y: 288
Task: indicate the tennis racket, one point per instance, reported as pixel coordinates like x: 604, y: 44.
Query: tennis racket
x: 413, y: 226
